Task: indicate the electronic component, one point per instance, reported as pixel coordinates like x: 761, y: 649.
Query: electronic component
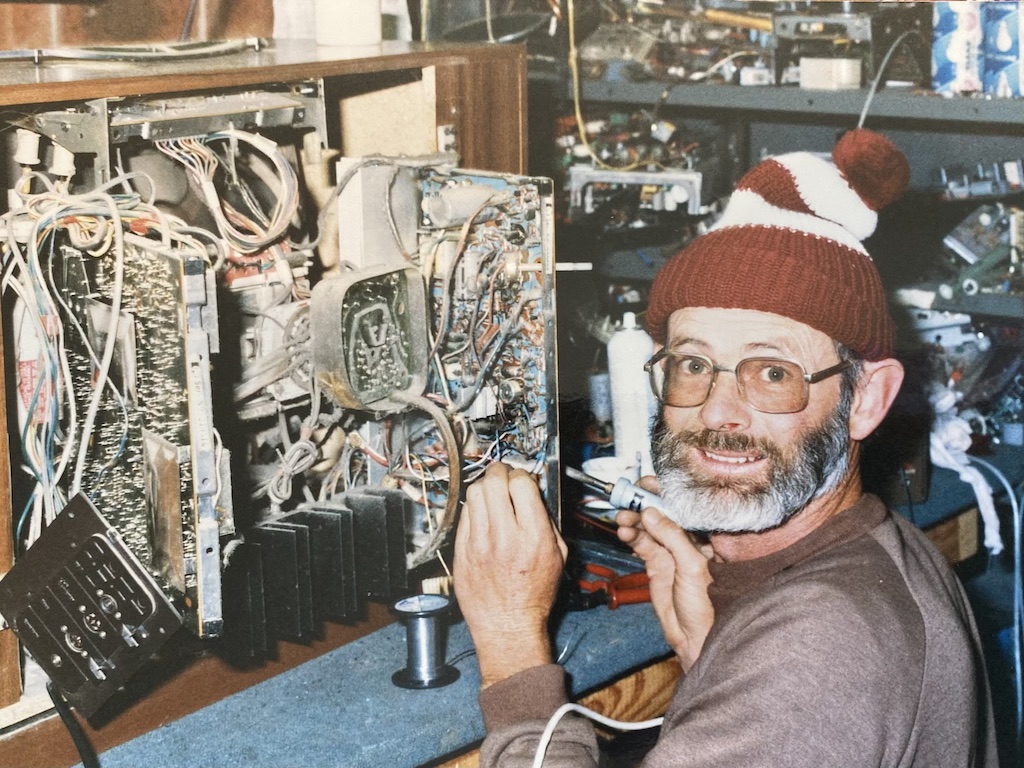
x: 245, y: 613
x: 85, y: 607
x: 369, y: 337
x: 151, y: 467
x: 332, y: 559
x: 612, y: 42
x: 998, y: 179
x: 276, y: 440
x: 379, y: 531
x: 667, y: 190
x: 866, y: 36
x: 287, y: 580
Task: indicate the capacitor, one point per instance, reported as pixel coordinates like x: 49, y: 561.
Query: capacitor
x: 27, y: 151
x: 510, y: 392
x: 63, y: 163
x: 423, y: 616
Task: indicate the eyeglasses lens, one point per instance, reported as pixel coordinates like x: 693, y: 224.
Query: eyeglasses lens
x: 769, y: 385
x: 772, y: 386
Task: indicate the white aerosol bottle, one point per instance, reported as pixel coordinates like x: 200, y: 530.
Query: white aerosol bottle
x: 633, y: 403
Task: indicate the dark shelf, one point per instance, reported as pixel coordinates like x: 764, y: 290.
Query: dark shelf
x: 891, y: 104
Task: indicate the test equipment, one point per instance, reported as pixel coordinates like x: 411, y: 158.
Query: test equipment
x: 865, y: 34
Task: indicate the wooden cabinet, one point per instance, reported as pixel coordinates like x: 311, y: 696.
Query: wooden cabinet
x: 394, y: 98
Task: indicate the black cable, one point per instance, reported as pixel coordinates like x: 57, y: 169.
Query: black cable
x: 905, y: 482
x: 85, y: 750
x: 186, y: 27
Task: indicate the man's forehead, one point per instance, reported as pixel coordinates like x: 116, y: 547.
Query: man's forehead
x: 712, y: 325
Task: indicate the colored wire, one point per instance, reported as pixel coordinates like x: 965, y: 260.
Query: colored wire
x: 444, y: 525
x: 574, y: 71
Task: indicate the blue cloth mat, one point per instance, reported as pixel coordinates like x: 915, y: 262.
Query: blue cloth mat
x: 341, y: 709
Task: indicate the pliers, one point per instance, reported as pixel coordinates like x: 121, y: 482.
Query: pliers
x: 612, y: 589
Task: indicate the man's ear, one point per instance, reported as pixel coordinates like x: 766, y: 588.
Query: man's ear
x: 876, y: 389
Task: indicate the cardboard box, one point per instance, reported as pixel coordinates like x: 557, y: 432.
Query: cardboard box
x: 1002, y: 59
x: 957, y: 55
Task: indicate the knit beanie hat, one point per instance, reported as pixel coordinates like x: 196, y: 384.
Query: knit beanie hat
x: 789, y: 242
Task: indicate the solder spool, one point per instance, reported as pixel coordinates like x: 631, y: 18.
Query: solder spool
x: 425, y: 643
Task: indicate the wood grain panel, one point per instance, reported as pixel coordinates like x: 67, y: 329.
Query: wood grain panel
x: 239, y: 18
x: 25, y: 25
x: 640, y: 696
x: 54, y: 25
x: 486, y: 101
x: 10, y: 664
x: 956, y: 538
x: 118, y: 21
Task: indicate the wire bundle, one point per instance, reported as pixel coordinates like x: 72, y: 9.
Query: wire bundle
x: 254, y: 229
x: 55, y: 437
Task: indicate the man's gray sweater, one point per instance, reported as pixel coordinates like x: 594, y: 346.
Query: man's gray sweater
x: 853, y: 647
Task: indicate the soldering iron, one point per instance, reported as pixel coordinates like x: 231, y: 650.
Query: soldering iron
x: 622, y: 494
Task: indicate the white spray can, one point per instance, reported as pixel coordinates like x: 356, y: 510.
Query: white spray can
x: 633, y: 402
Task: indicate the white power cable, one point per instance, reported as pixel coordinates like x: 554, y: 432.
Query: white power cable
x: 562, y: 711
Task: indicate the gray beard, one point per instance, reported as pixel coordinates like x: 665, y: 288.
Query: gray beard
x: 698, y: 502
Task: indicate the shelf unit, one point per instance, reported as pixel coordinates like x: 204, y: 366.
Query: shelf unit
x: 891, y: 104
x: 932, y: 130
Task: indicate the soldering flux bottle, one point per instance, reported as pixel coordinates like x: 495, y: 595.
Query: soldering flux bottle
x: 633, y: 402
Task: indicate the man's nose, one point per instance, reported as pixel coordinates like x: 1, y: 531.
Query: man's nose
x: 725, y: 410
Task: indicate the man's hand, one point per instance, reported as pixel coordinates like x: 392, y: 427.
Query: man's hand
x: 508, y: 560
x: 679, y: 576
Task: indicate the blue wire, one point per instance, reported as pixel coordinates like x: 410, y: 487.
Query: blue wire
x: 24, y: 516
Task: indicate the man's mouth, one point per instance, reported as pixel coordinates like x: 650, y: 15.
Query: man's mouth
x: 733, y: 459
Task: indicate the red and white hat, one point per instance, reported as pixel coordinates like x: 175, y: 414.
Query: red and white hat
x: 789, y: 242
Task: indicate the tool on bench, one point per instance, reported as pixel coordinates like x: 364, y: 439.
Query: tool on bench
x: 611, y: 589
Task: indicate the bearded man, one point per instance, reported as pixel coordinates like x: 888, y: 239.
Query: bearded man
x: 814, y: 627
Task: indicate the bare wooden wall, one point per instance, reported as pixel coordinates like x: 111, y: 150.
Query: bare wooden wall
x: 95, y: 22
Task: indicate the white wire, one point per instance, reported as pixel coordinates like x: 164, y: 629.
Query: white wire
x: 881, y: 70
x: 705, y: 74
x: 549, y: 729
x: 46, y: 210
x: 489, y: 19
x: 1018, y: 593
x: 108, y: 350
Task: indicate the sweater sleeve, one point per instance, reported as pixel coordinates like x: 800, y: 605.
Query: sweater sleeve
x: 516, y: 712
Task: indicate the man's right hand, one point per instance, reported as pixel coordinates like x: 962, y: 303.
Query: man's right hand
x: 678, y: 570
x: 508, y: 562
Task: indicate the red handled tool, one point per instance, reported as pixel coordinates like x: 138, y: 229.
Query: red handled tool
x: 613, y: 589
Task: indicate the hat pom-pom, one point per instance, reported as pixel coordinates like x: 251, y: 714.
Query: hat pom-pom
x: 873, y: 165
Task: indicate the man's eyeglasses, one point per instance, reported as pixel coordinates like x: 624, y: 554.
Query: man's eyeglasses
x: 767, y: 384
